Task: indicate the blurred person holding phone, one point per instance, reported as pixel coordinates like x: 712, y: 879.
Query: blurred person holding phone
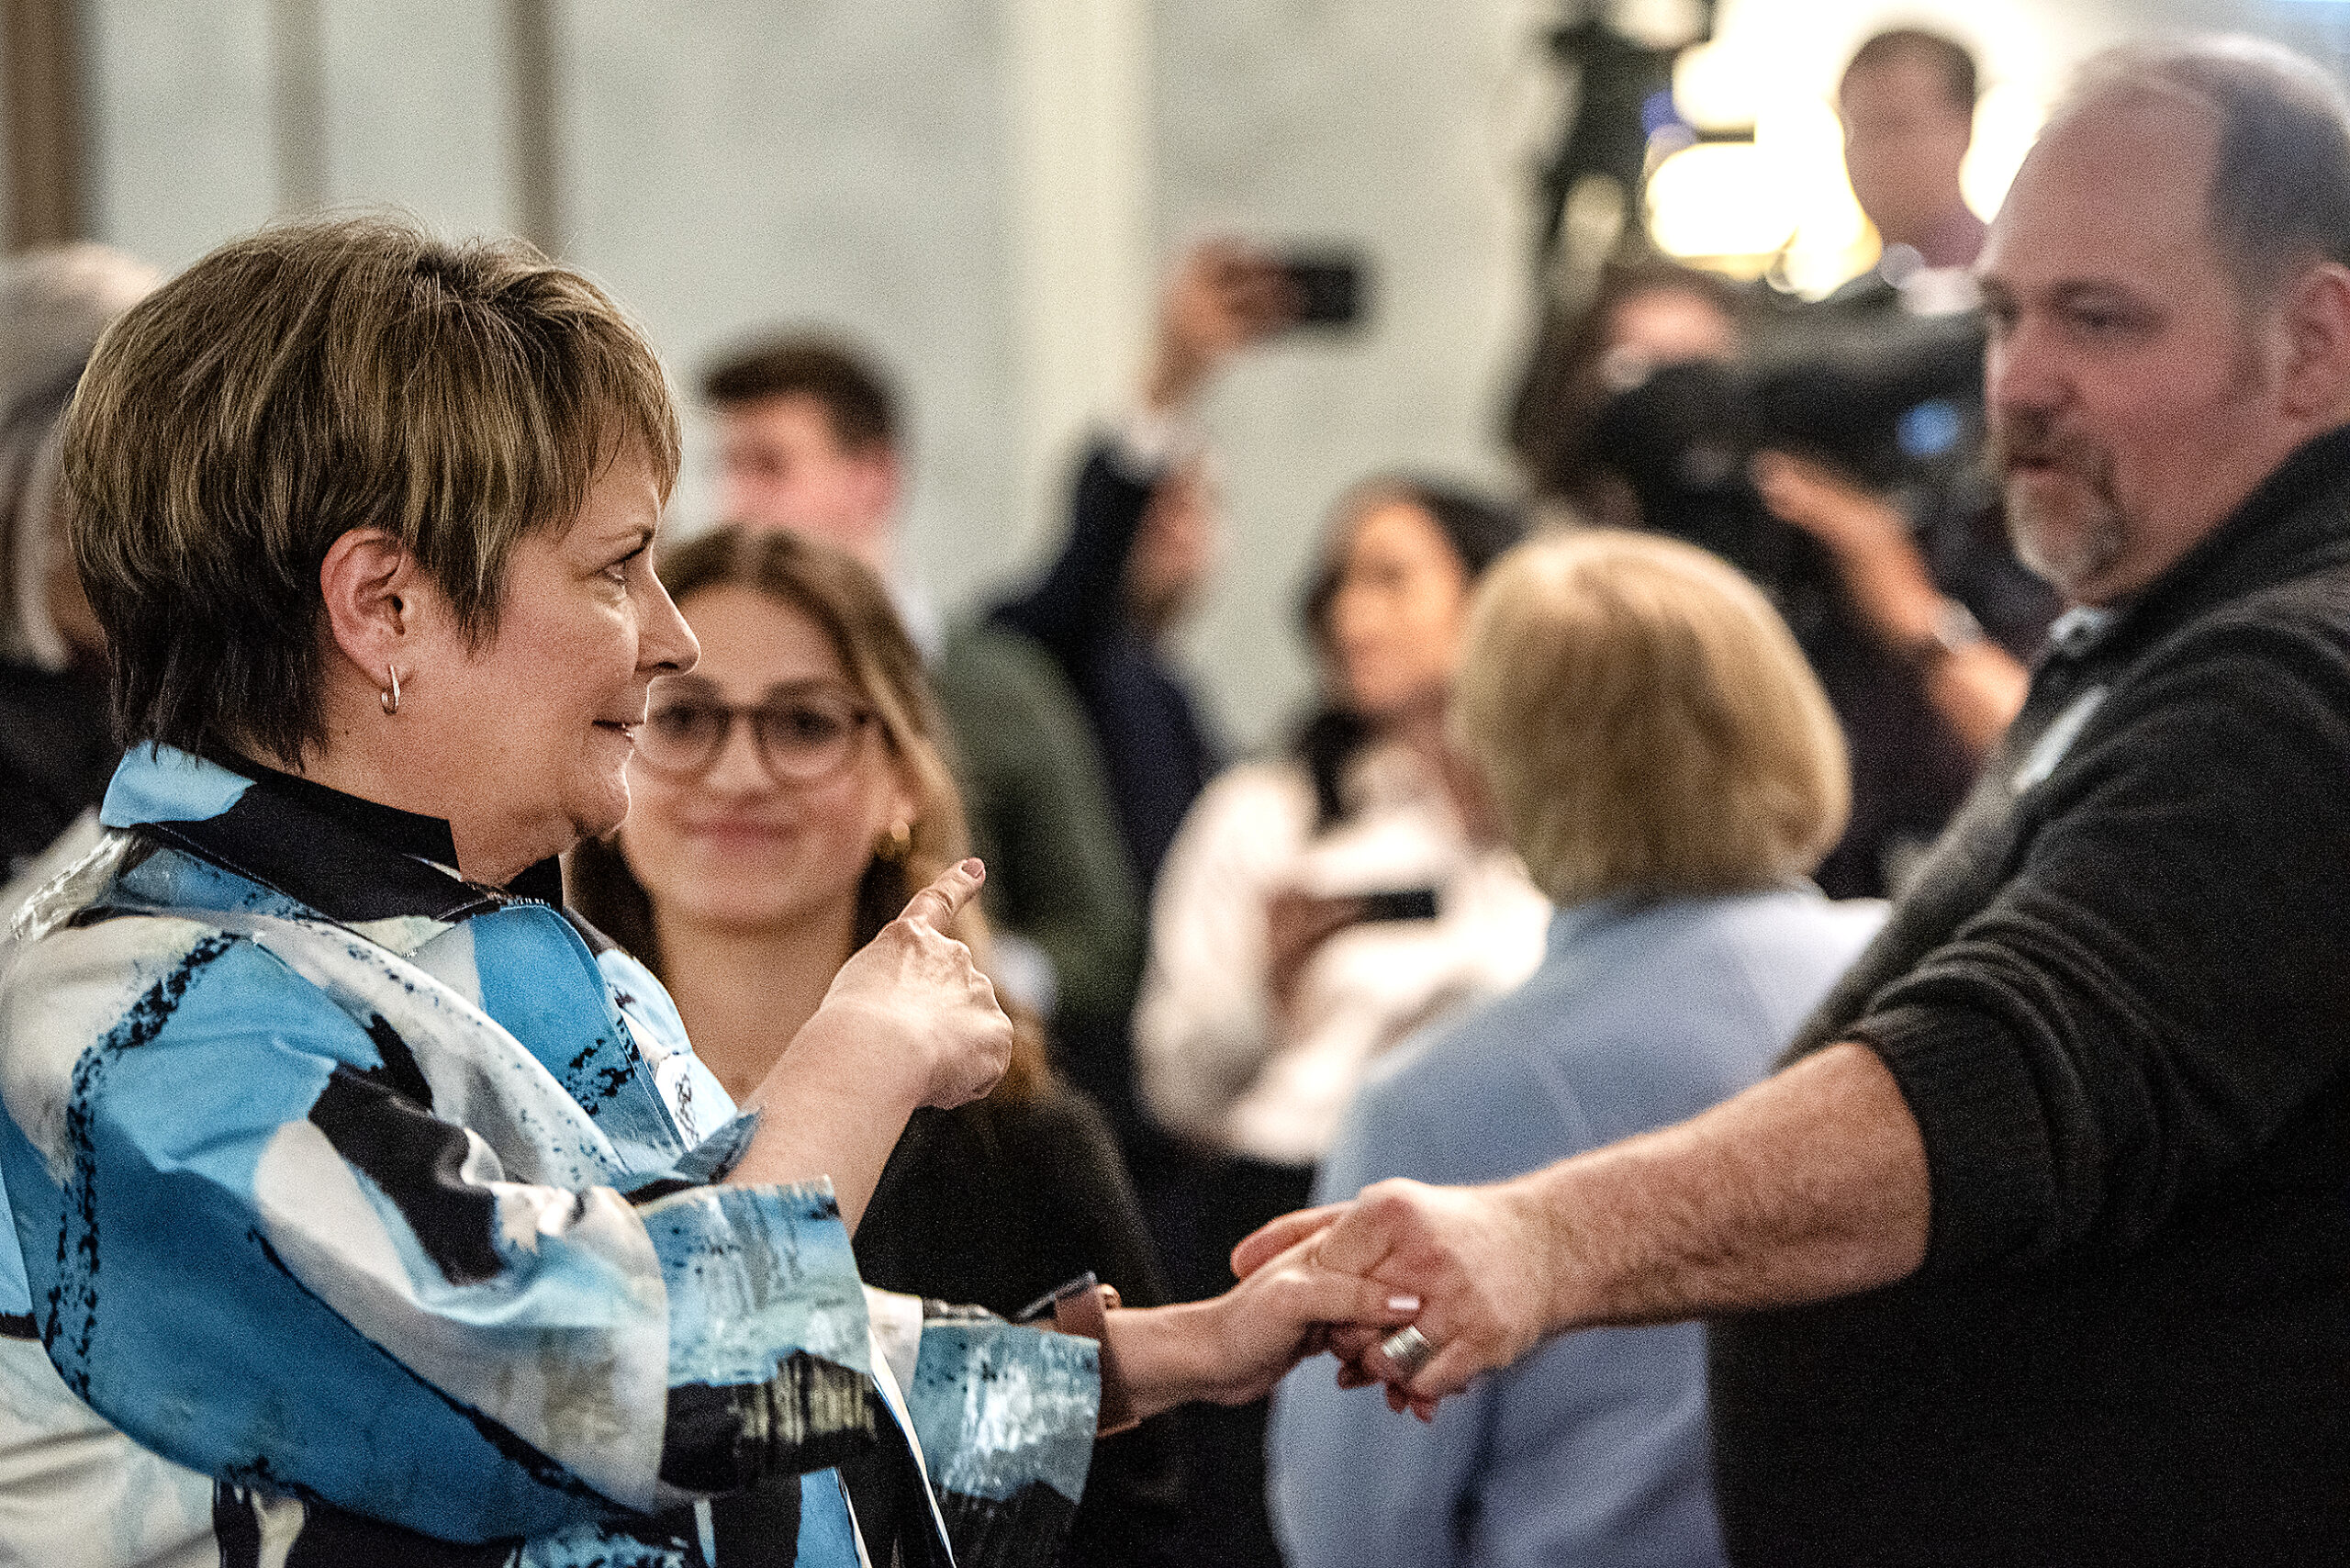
x: 1142, y: 542
x: 1317, y: 908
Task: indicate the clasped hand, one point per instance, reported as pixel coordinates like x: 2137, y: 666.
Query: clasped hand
x: 1472, y: 1257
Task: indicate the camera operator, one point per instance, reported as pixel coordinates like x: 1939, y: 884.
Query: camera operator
x: 1907, y: 103
x: 1841, y: 473
x: 1974, y: 684
x: 1922, y: 572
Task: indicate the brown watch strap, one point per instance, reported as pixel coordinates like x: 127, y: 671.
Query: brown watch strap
x: 1084, y: 1313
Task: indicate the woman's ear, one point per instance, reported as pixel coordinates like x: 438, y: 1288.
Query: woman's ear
x: 369, y: 581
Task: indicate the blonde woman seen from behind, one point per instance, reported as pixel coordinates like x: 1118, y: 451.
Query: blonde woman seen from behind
x: 1662, y: 757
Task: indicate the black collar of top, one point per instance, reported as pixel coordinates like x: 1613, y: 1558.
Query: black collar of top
x: 349, y: 860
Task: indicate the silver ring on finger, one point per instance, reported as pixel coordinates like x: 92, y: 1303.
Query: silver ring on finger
x: 1409, y: 1349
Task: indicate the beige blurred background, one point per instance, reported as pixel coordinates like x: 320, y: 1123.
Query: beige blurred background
x: 984, y: 190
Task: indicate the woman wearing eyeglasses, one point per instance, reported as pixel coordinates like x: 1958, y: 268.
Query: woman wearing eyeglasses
x: 789, y: 796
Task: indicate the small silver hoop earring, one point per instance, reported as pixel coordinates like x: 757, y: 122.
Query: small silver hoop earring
x: 390, y: 696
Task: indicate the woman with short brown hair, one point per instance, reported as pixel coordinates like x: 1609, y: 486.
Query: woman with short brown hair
x: 385, y: 1206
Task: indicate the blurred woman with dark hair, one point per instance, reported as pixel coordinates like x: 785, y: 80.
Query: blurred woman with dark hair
x: 1316, y: 908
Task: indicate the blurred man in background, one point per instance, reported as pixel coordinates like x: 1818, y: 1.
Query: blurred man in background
x: 1907, y: 103
x: 810, y: 440
x: 1141, y: 545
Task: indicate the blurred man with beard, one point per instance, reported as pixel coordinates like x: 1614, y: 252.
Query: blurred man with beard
x: 2035, y: 1250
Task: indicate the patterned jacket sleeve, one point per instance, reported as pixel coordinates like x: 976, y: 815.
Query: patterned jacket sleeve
x: 1004, y: 1416
x: 278, y: 1245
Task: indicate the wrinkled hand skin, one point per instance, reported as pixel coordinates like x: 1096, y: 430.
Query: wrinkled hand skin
x: 916, y: 995
x: 1471, y: 1255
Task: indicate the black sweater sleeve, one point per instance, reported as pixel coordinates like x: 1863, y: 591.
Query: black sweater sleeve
x: 2163, y: 981
x: 1082, y: 595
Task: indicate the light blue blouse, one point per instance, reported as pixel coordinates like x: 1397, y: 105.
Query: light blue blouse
x: 1593, y: 1450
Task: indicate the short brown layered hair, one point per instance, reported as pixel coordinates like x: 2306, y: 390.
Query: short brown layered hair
x: 1645, y: 721
x: 313, y: 378
x: 856, y: 397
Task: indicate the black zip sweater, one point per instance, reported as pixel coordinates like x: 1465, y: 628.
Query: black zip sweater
x: 2118, y: 1003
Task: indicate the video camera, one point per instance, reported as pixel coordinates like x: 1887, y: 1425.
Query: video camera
x: 1897, y: 406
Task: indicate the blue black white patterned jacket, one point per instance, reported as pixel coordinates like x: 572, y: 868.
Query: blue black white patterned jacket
x: 374, y: 1204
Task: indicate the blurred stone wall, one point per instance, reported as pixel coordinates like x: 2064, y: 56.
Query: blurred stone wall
x: 981, y: 190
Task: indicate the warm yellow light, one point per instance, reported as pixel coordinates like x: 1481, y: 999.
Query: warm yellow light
x: 1785, y: 204
x: 1718, y: 199
x: 1782, y: 199
x: 1832, y: 240
x: 2006, y: 121
x: 1714, y: 87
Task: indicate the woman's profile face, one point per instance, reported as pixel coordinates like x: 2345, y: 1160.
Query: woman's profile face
x: 1396, y: 622
x: 763, y: 837
x: 534, y: 729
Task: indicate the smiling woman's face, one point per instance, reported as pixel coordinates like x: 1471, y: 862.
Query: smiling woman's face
x: 532, y: 731
x: 737, y: 844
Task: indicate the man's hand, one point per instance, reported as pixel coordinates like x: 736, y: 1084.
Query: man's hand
x: 1222, y: 297
x: 1475, y: 1257
x: 1810, y: 1185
